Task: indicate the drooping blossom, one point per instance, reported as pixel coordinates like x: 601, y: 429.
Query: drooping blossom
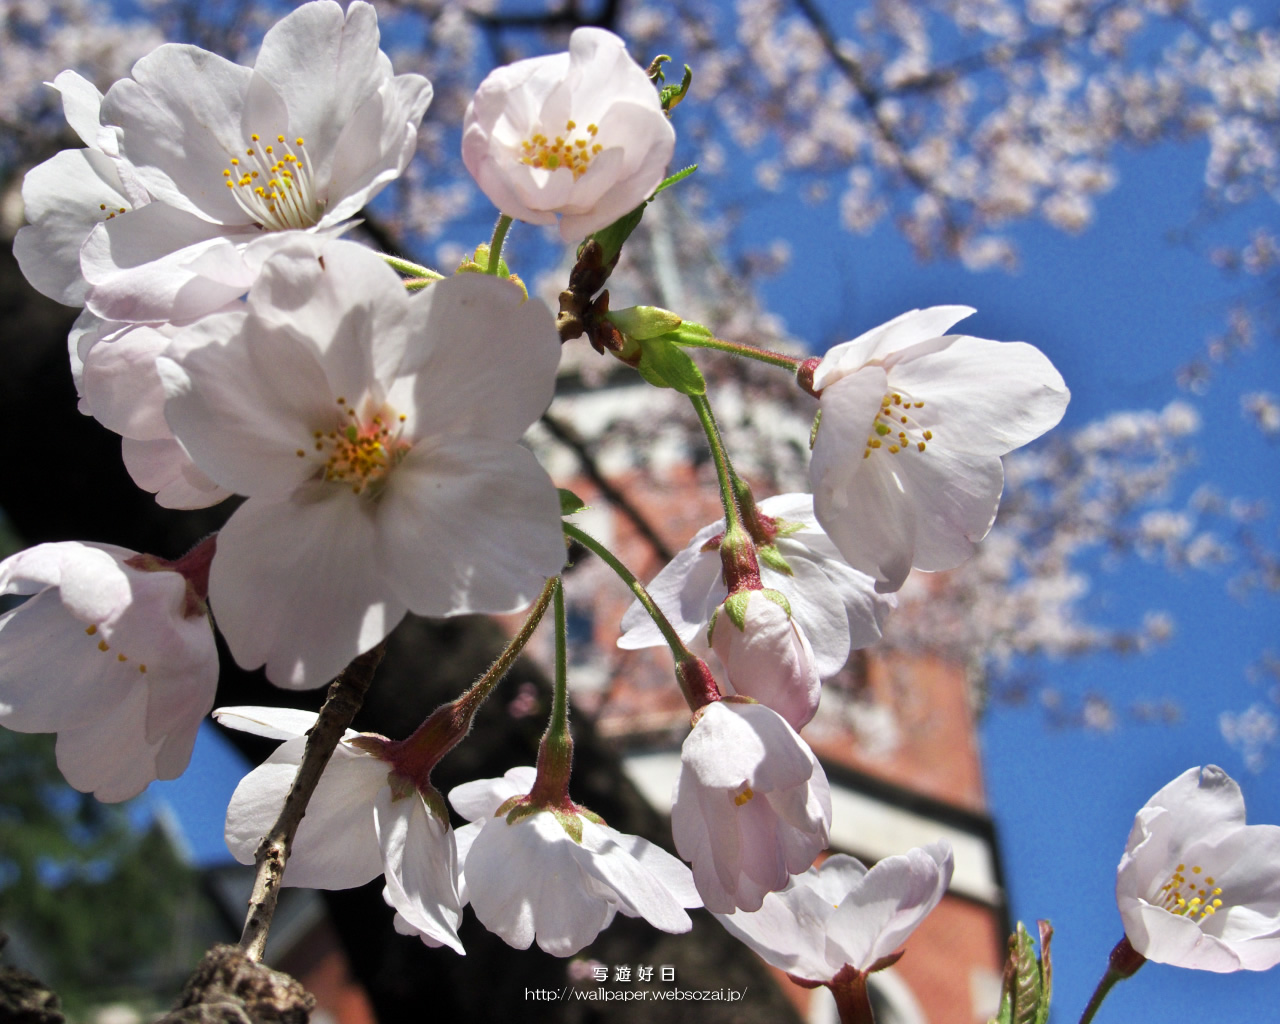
x: 1197, y: 887
x: 581, y: 134
x: 116, y: 377
x: 766, y: 654
x: 560, y: 876
x: 833, y: 608
x: 69, y: 194
x: 362, y: 821
x: 376, y: 436
x: 112, y: 651
x: 751, y: 806
x: 235, y: 159
x: 842, y: 915
x: 906, y: 462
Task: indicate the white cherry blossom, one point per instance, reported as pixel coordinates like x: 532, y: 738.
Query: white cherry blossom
x: 1197, y: 887
x: 529, y: 878
x: 581, y: 134
x: 751, y: 806
x: 115, y: 654
x: 840, y: 914
x: 69, y: 194
x: 376, y: 436
x: 906, y: 462
x: 834, y: 605
x: 237, y: 158
x: 362, y: 821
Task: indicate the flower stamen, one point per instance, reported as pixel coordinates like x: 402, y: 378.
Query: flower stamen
x: 895, y: 428
x: 1200, y: 899
x: 361, y: 449
x: 275, y: 185
x: 563, y: 151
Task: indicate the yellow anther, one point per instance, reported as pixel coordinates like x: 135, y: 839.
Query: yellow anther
x: 570, y: 125
x: 743, y: 797
x: 103, y: 645
x: 91, y: 630
x: 121, y: 657
x: 142, y: 668
x: 928, y: 435
x: 893, y: 449
x: 1196, y: 870
x: 254, y: 137
x: 920, y: 445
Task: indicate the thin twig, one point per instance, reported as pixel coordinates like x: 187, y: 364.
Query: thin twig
x: 346, y: 694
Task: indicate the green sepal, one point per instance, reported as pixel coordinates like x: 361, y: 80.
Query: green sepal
x: 813, y: 433
x: 1028, y: 979
x: 665, y: 365
x: 644, y: 322
x: 570, y: 822
x: 401, y: 786
x: 570, y: 502
x: 778, y: 598
x: 735, y: 606
x: 671, y: 95
x: 688, y: 332
x: 786, y: 528
x: 769, y: 555
x: 611, y: 238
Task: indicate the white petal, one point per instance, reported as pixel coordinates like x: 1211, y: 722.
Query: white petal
x: 421, y: 866
x: 881, y: 343
x: 273, y: 723
x: 481, y: 798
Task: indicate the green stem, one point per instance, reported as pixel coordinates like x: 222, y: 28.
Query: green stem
x: 1123, y: 963
x: 555, y: 751
x: 411, y: 269
x: 495, y: 244
x: 678, y: 648
x: 724, y: 471
x: 761, y: 355
x: 476, y: 696
x: 559, y: 724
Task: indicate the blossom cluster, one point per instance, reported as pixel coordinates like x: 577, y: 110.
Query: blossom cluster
x: 371, y: 423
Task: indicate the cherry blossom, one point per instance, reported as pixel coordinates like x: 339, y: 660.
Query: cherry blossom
x: 766, y: 654
x: 69, y: 194
x: 906, y: 460
x: 237, y: 158
x: 115, y: 373
x: 835, y: 607
x: 363, y: 820
x: 560, y: 877
x: 751, y: 805
x: 842, y: 915
x: 1197, y: 887
x: 580, y: 134
x: 113, y: 651
x: 376, y: 436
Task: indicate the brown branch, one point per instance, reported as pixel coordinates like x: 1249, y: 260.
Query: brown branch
x: 346, y: 694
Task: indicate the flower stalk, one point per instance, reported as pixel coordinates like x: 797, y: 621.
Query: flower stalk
x: 760, y: 355
x: 737, y: 551
x: 346, y: 695
x: 555, y: 751
x: 495, y: 244
x: 1123, y: 963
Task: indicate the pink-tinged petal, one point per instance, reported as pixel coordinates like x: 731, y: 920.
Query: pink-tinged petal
x: 51, y: 673
x: 889, y: 903
x: 769, y: 660
x: 496, y: 517
x: 64, y: 198
x: 485, y: 358
x: 244, y: 399
x: 160, y: 263
x: 818, y: 608
x: 479, y: 799
x: 788, y: 931
x: 848, y: 412
x: 95, y: 587
x: 421, y: 867
x: 954, y: 497
x: 326, y: 63
x: 881, y: 343
x: 639, y: 892
x: 834, y: 879
x: 110, y: 756
x: 304, y: 617
x: 339, y: 301
x: 992, y: 396
x: 271, y: 723
x: 81, y: 103
x: 165, y: 469
x: 336, y: 845
x: 181, y: 119
x: 874, y: 528
x: 687, y: 590
x: 122, y: 386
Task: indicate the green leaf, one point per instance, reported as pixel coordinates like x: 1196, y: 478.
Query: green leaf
x: 570, y: 502
x: 611, y: 239
x: 680, y: 175
x: 665, y: 365
x: 671, y: 95
x: 1028, y: 979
